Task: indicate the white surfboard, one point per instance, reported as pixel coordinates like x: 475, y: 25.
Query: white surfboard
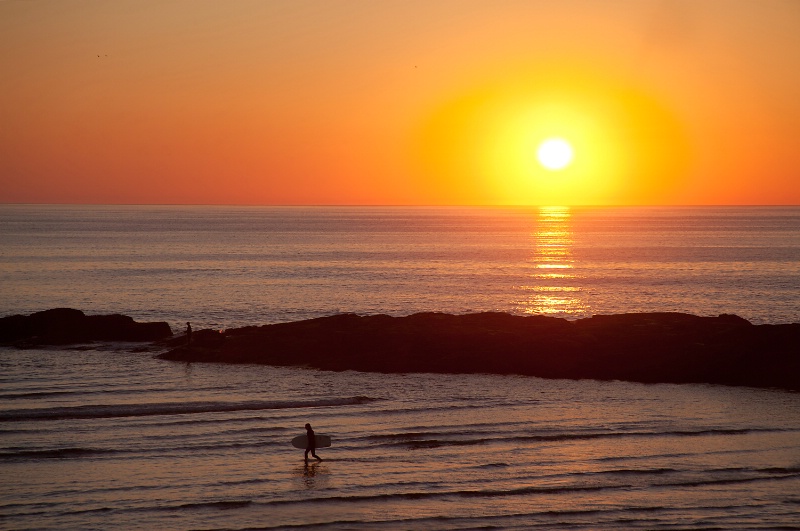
x: 301, y: 441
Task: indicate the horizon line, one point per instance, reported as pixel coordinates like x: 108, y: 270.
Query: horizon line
x: 411, y: 205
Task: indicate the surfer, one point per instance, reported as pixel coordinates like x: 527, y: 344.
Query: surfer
x: 311, y: 445
x: 188, y: 335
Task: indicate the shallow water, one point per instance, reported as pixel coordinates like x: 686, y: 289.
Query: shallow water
x: 99, y: 439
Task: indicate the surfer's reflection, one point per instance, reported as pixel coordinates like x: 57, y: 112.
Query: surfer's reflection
x: 309, y: 475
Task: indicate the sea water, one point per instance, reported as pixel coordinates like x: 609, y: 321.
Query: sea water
x: 104, y: 437
x: 224, y: 266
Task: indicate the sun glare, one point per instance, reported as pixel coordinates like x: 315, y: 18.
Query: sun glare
x: 563, y: 137
x: 554, y: 153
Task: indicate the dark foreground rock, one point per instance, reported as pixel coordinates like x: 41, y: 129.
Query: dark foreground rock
x: 652, y: 347
x: 64, y: 326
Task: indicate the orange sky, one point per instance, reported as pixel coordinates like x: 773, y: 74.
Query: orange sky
x: 399, y: 102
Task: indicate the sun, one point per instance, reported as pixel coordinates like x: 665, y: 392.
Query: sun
x: 554, y: 153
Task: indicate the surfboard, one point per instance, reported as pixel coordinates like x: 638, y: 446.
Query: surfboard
x: 301, y: 441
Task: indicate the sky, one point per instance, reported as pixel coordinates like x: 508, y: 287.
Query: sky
x: 399, y: 102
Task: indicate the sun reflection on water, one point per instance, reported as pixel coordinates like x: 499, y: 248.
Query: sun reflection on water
x: 554, y: 285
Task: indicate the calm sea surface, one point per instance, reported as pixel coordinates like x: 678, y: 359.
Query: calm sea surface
x: 107, y: 438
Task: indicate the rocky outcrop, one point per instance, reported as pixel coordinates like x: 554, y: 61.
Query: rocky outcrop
x: 647, y: 347
x: 64, y: 326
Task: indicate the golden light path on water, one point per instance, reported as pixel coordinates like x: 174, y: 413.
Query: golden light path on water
x: 554, y: 286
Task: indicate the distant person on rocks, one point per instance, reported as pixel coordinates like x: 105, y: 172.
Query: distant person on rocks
x: 188, y: 335
x: 311, y: 445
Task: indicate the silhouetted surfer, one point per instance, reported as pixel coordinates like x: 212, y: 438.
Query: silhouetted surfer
x: 311, y: 445
x: 188, y: 335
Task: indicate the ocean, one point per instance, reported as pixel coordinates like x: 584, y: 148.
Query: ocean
x: 105, y: 437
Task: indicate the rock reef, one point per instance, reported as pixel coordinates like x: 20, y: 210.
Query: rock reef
x: 64, y: 326
x: 644, y: 347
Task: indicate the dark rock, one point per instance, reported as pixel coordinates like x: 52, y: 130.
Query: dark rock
x: 64, y: 326
x: 651, y: 347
